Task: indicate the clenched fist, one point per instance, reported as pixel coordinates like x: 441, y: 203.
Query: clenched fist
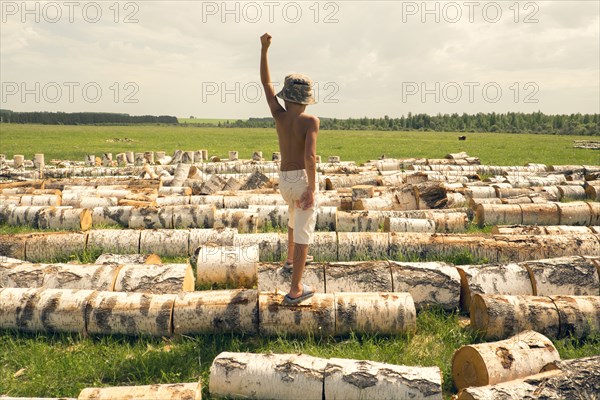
x: 265, y: 40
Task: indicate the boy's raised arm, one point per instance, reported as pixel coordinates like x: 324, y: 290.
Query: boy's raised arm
x: 265, y: 76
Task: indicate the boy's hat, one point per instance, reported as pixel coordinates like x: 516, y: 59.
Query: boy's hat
x: 297, y: 89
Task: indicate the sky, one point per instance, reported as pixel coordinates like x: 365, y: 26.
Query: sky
x: 367, y: 58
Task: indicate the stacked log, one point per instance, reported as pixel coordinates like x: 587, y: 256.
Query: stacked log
x: 357, y: 276
x: 114, y: 241
x: 272, y: 277
x: 155, y: 279
x: 299, y: 376
x: 490, y: 363
x: 109, y: 258
x: 362, y: 245
x: 55, y: 246
x: 574, y: 275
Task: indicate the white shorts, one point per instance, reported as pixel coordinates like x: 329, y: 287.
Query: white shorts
x: 291, y: 185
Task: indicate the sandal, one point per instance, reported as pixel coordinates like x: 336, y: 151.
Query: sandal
x: 289, y: 266
x: 307, y: 293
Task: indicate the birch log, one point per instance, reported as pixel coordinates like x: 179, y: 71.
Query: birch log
x: 274, y: 216
x: 216, y: 312
x: 356, y: 380
x: 500, y: 316
x: 13, y: 246
x: 267, y: 376
x: 490, y: 363
x: 240, y: 219
x: 75, y: 276
x: 43, y: 310
x: 273, y: 277
x: 358, y: 221
x: 65, y: 218
x: 362, y: 245
x: 374, y: 313
x: 109, y: 258
x: 579, y: 315
x: 151, y: 218
x: 114, y: 241
x: 540, y: 214
x: 572, y: 192
x: 130, y: 314
x: 375, y: 203
x: 430, y: 284
x: 578, y: 380
x: 358, y: 276
x: 217, y: 237
x: 593, y: 192
x: 315, y: 316
x: 155, y: 279
x: 269, y: 244
x: 117, y: 215
x: 499, y: 214
x: 509, y: 278
x: 408, y: 225
x: 41, y: 200
x: 165, y: 242
x: 575, y: 213
x: 55, y: 246
x: 193, y: 216
x: 232, y: 265
x: 573, y: 275
x: 171, y: 391
x: 24, y: 215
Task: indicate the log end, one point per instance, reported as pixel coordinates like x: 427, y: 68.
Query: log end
x: 479, y: 315
x: 468, y: 368
x: 85, y: 219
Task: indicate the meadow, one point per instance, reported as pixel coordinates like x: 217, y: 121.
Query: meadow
x: 74, y: 142
x: 55, y: 365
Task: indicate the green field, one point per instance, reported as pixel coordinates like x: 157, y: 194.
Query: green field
x: 73, y: 142
x: 213, y: 121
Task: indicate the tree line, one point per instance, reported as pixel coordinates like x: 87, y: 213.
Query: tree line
x: 82, y: 118
x: 573, y: 124
x: 538, y: 122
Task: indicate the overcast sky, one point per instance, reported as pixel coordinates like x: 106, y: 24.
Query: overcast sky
x: 368, y: 58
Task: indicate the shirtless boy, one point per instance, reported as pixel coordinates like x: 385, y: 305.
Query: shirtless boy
x: 297, y: 133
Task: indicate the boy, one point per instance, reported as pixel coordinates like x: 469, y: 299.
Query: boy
x: 297, y: 133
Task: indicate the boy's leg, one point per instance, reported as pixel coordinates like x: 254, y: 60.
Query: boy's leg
x: 291, y: 246
x: 301, y: 250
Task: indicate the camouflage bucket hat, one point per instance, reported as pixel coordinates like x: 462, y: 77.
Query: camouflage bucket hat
x: 297, y: 89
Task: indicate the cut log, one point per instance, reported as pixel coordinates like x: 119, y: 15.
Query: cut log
x: 125, y: 241
x: 151, y: 218
x: 117, y: 215
x: 579, y: 315
x: 580, y: 380
x: 233, y: 265
x: 193, y: 216
x: 165, y: 242
x: 130, y: 313
x: 109, y: 258
x: 267, y: 376
x: 44, y: 310
x: 362, y: 246
x: 571, y: 192
x: 563, y: 276
x: 272, y: 216
x: 356, y: 380
x: 375, y: 203
x: 326, y: 218
x: 240, y: 219
x: 54, y: 247
x: 374, y: 313
x: 315, y: 316
x: 269, y: 244
x: 359, y: 221
x: 499, y: 214
x: 408, y: 225
x: 273, y: 277
x: 431, y: 284
x: 214, y: 184
x: 181, y: 174
x: 490, y: 363
x: 216, y: 312
x: 172, y: 391
x: 256, y: 180
x: 500, y: 316
x: 24, y: 215
x: 358, y: 276
x: 575, y: 213
x: 593, y: 192
x: 217, y: 237
x: 13, y: 246
x: 540, y: 214
x: 509, y: 278
x: 65, y: 218
x: 362, y: 192
x: 156, y: 279
x: 41, y: 200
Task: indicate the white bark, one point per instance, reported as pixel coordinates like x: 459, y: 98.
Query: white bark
x: 490, y: 363
x: 358, y: 276
x: 109, y: 258
x: 48, y: 248
x: 272, y: 277
x: 165, y: 242
x: 579, y: 315
x: 233, y: 265
x: 126, y: 241
x: 573, y: 275
x: 171, y: 391
x: 216, y: 312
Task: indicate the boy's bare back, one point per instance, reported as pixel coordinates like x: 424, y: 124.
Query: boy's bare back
x: 292, y: 131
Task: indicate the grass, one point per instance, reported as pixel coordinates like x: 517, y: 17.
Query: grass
x: 492, y: 148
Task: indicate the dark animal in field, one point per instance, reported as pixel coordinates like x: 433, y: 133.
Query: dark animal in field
x: 462, y: 138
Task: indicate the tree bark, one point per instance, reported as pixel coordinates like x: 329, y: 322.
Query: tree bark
x: 44, y: 310
x: 513, y: 279
x: 579, y: 315
x: 116, y: 215
x: 232, y: 265
x: 363, y: 245
x: 165, y: 242
x: 108, y: 258
x: 358, y: 276
x: 267, y: 376
x: 500, y: 316
x: 490, y: 363
x: 573, y: 275
x: 130, y: 314
x: 171, y: 391
x: 355, y: 380
x: 53, y: 246
x: 272, y: 277
x: 193, y: 216
x: 430, y: 284
x: 65, y: 218
x: 155, y: 279
x: 241, y: 219
x: 409, y: 225
x: 499, y: 214
x: 125, y: 241
x: 216, y: 312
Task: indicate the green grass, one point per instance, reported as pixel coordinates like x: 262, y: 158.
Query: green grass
x: 492, y: 148
x: 214, y: 121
